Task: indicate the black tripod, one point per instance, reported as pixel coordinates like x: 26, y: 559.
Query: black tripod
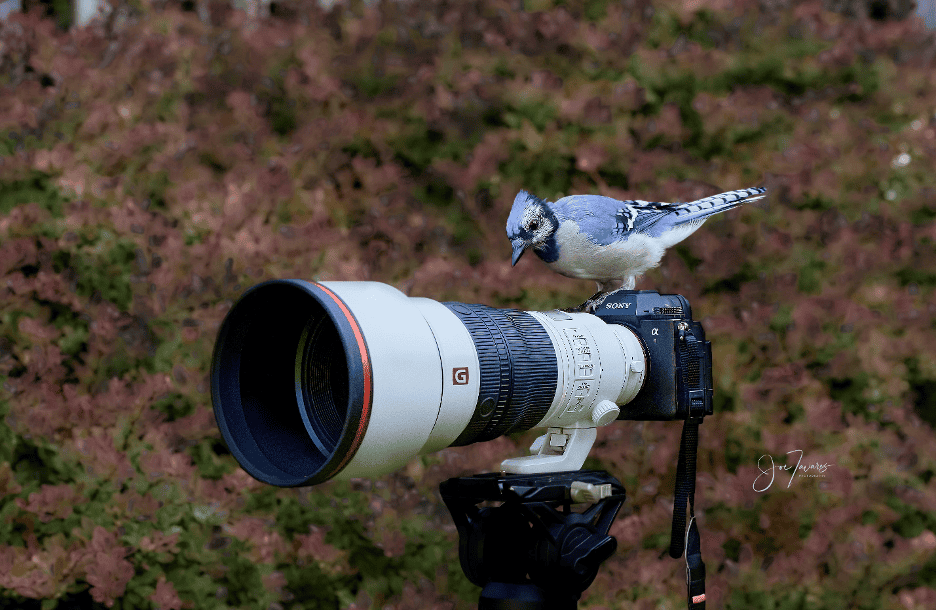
x: 526, y: 553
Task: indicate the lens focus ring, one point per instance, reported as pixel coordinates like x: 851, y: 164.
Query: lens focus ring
x: 519, y: 371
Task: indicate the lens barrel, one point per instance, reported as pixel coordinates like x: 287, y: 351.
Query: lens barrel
x: 518, y: 370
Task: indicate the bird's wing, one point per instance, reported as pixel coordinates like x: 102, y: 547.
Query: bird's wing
x: 636, y: 216
x: 603, y: 219
x: 606, y: 220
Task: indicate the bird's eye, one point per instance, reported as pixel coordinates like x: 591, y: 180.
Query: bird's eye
x: 534, y: 225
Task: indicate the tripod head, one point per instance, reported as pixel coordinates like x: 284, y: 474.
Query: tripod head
x: 532, y: 552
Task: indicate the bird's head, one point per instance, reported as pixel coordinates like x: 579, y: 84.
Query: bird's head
x: 530, y: 224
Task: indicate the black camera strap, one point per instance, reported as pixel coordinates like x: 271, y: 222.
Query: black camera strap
x: 681, y: 537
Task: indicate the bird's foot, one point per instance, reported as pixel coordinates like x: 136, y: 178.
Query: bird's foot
x: 604, y: 291
x: 598, y: 299
x: 592, y: 304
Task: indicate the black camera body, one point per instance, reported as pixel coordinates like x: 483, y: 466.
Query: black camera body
x: 678, y: 385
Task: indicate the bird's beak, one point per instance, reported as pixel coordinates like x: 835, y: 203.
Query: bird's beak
x: 519, y: 246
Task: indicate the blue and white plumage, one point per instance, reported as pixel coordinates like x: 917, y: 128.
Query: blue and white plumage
x: 606, y: 240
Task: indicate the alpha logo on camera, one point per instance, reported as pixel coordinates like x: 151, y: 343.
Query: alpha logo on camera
x: 460, y: 375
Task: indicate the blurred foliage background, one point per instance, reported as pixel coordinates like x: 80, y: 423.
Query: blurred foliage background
x: 156, y: 164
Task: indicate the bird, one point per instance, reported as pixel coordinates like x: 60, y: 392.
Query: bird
x: 610, y: 241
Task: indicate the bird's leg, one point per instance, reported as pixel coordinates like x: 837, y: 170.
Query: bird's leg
x: 589, y: 305
x: 594, y: 303
x: 606, y: 289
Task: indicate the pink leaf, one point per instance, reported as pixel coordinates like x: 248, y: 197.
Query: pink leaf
x: 108, y: 571
x: 165, y: 597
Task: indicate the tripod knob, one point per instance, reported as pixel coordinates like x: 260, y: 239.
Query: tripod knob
x: 580, y: 491
x: 572, y: 555
x: 605, y: 412
x: 583, y: 551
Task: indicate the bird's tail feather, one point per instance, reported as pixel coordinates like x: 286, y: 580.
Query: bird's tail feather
x: 703, y: 208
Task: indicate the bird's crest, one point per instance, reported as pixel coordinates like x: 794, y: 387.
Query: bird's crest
x: 522, y: 202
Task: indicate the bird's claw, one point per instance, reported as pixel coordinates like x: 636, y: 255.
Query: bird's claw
x: 592, y: 304
x: 588, y: 306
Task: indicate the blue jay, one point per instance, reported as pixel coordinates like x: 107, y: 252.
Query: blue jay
x: 612, y: 242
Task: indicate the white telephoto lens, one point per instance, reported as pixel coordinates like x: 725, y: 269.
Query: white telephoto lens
x: 313, y: 381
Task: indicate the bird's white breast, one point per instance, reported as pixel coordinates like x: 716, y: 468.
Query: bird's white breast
x: 579, y: 257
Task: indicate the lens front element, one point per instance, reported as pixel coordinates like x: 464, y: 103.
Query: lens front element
x: 322, y: 383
